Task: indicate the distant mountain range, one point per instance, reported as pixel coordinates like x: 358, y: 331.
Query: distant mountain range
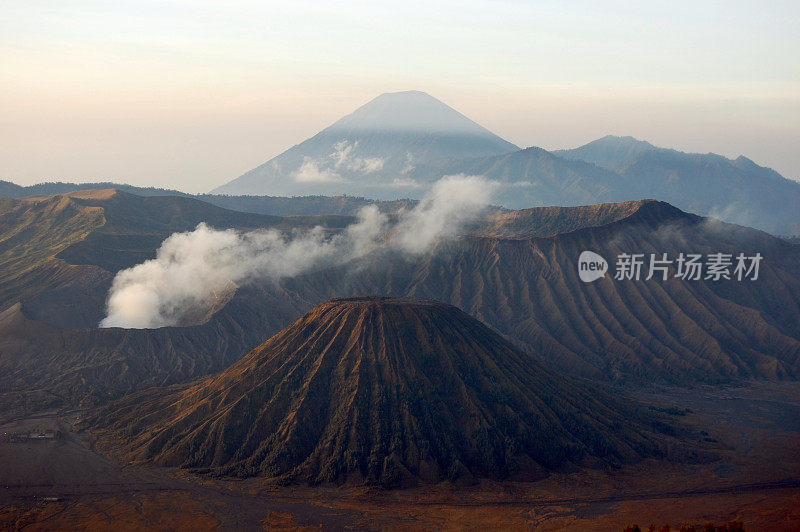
x: 735, y: 190
x: 396, y: 145
x: 394, y: 148
x: 272, y: 205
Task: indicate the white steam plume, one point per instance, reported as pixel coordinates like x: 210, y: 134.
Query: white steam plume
x: 452, y: 201
x: 191, y: 268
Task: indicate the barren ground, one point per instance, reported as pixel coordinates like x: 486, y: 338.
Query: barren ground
x: 754, y: 430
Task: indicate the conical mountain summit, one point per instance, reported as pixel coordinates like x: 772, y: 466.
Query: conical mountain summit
x: 379, y: 391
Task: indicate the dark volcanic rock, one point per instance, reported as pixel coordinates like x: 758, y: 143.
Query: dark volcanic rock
x: 379, y: 391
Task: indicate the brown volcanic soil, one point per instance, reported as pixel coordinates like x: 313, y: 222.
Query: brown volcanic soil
x: 58, y: 255
x: 513, y: 277
x: 672, y: 331
x: 42, y: 366
x: 756, y: 480
x: 380, y: 391
x: 549, y: 221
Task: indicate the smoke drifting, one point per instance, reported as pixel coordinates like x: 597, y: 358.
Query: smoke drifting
x: 191, y: 268
x: 452, y: 201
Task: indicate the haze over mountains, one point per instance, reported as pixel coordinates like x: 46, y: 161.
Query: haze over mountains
x: 399, y: 143
x: 396, y: 146
x: 735, y: 190
x: 371, y: 151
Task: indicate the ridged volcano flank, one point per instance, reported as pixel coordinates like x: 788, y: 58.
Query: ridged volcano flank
x: 378, y: 391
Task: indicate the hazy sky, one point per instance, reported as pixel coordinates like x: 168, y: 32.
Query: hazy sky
x: 192, y: 94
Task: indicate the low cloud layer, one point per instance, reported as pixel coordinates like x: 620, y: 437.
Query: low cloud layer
x: 192, y: 268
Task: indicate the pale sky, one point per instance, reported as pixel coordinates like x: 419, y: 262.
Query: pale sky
x: 190, y: 95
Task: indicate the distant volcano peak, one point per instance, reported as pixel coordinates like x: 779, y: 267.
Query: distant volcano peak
x: 409, y: 111
x: 372, y: 151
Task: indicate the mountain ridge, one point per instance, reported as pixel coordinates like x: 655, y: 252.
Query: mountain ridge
x: 736, y: 190
x: 515, y: 271
x: 608, y: 151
